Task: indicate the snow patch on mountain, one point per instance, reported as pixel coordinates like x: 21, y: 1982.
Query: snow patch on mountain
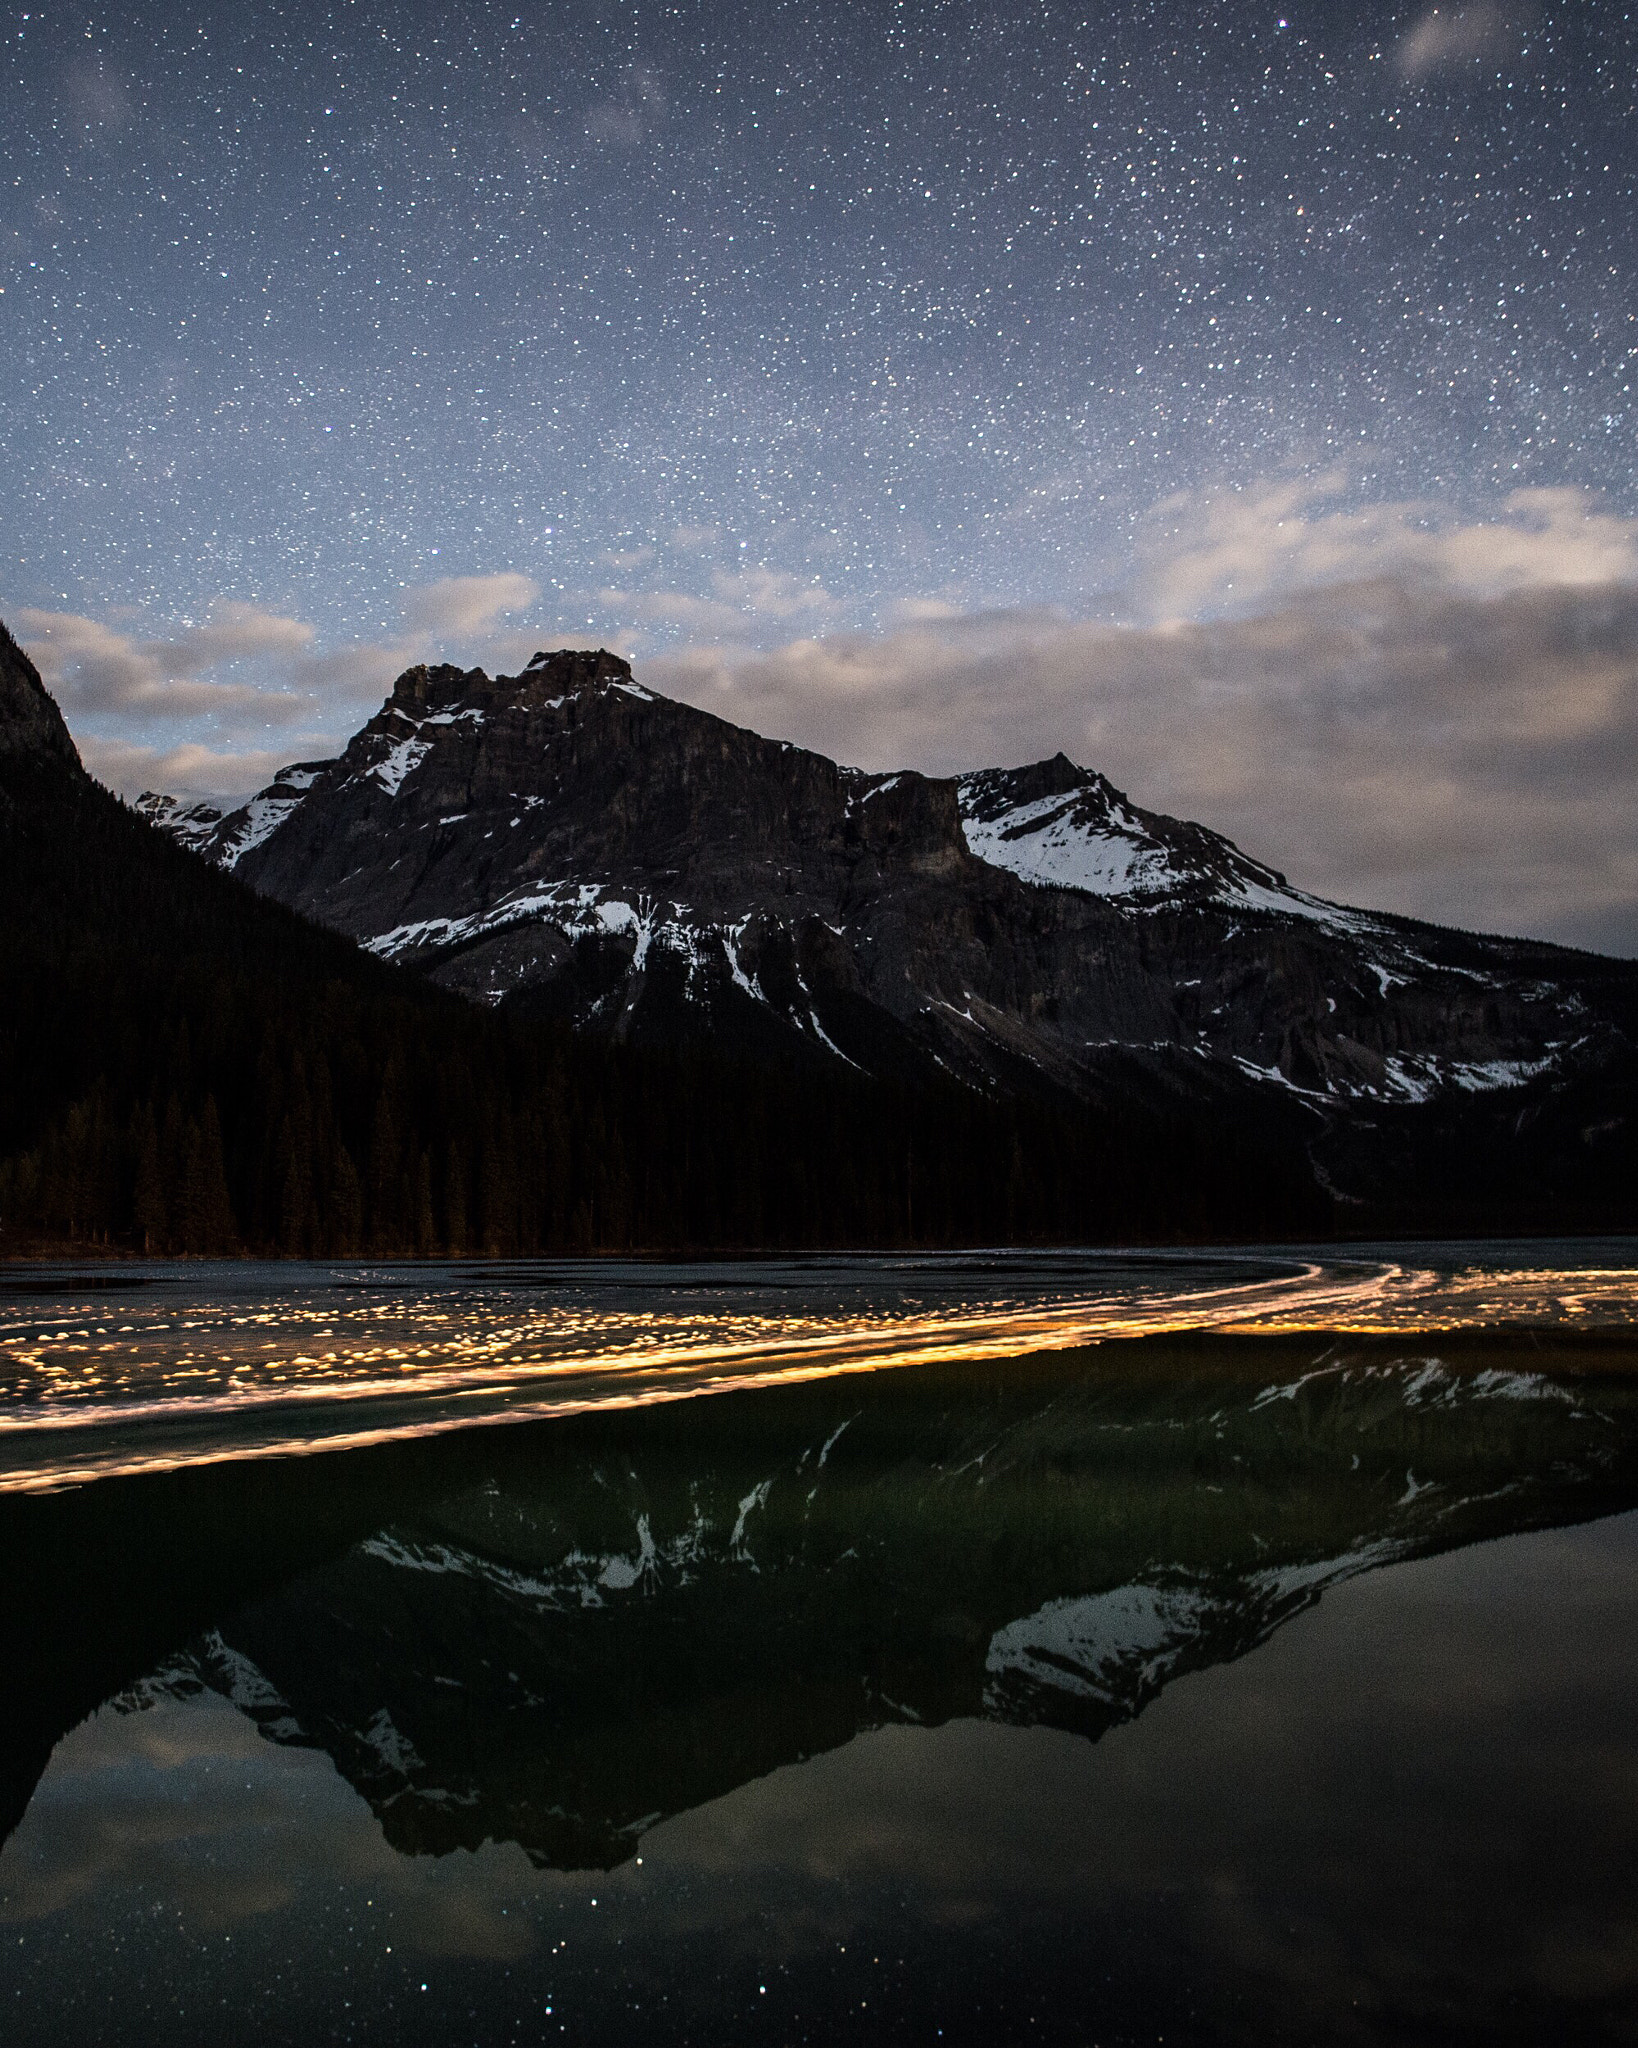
x: 579, y: 910
x: 1114, y: 1647
x: 189, y: 824
x: 1052, y: 843
x: 731, y: 939
x: 1088, y: 837
x: 1119, y: 1648
x: 224, y: 835
x: 261, y: 818
x: 1285, y: 901
x: 1477, y: 1075
x: 402, y: 761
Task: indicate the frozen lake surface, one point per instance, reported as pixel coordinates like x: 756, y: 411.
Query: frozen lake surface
x: 137, y: 1367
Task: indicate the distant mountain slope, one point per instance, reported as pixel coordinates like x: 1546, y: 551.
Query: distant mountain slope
x: 186, y: 1066
x: 1064, y: 827
x: 33, y: 736
x: 565, y: 840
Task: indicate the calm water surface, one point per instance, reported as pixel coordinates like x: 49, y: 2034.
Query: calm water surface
x: 1209, y: 1650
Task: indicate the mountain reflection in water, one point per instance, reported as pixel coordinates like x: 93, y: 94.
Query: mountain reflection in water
x: 558, y: 1635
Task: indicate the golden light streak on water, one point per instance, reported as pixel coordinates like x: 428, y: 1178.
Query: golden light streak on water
x: 1429, y: 1301
x: 97, y: 1390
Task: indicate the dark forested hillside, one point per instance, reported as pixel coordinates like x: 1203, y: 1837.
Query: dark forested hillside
x: 185, y: 1066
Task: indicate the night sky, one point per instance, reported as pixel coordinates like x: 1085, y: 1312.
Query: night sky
x: 1241, y: 400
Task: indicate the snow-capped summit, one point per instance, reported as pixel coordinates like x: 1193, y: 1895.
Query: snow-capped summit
x: 1065, y: 827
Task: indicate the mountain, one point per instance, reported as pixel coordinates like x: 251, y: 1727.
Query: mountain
x: 566, y: 842
x: 189, y: 1066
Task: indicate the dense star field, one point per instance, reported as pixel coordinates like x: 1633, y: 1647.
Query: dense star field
x: 1238, y: 400
x: 319, y: 299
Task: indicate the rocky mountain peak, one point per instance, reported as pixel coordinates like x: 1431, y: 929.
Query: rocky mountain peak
x: 426, y: 690
x: 573, y: 669
x: 1058, y: 825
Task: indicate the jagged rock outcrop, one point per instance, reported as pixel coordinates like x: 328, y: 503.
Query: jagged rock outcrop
x: 568, y: 840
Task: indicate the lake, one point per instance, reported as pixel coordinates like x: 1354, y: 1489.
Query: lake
x: 1058, y: 1647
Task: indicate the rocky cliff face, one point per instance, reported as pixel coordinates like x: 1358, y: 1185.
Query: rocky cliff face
x: 31, y: 726
x: 568, y: 840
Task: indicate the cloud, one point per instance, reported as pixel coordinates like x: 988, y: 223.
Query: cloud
x: 235, y: 632
x: 188, y: 1799
x: 1450, y: 38
x: 635, y: 109
x: 244, y: 669
x: 627, y: 559
x: 741, y: 599
x: 675, y: 611
x: 457, y: 605
x: 349, y: 674
x: 189, y: 770
x: 91, y: 668
x: 455, y: 609
x: 696, y: 540
x: 774, y: 593
x: 1399, y: 707
x: 1238, y: 550
x: 924, y: 611
x: 1468, y: 758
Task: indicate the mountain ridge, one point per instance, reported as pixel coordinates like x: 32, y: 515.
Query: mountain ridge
x: 570, y: 841
x: 895, y: 1042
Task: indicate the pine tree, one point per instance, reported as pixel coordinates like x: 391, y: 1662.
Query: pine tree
x: 426, y: 1225
x: 346, y: 1226
x: 455, y: 1199
x: 207, y: 1209
x: 386, y: 1194
x: 148, y: 1194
